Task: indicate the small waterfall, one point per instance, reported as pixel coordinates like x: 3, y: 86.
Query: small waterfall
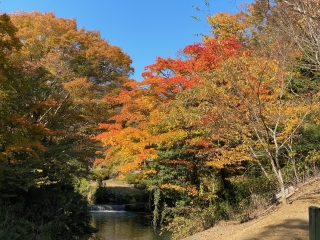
x: 106, y: 208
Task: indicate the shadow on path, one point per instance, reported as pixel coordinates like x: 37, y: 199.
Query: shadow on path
x: 286, y: 230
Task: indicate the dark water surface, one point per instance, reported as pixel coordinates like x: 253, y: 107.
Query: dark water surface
x: 122, y: 225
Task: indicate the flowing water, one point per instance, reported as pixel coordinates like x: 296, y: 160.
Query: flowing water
x: 122, y: 225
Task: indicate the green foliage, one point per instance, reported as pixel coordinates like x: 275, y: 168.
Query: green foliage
x: 132, y: 178
x: 175, y: 188
x: 305, y: 80
x: 156, y: 206
x: 240, y: 189
x: 309, y: 140
x: 224, y: 211
x: 185, y: 221
x: 100, y: 174
x: 246, y: 196
x: 82, y: 186
x: 49, y: 212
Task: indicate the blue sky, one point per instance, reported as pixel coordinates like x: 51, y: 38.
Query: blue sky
x: 144, y: 29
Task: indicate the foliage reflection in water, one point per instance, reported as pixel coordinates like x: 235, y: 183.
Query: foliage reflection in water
x: 121, y: 225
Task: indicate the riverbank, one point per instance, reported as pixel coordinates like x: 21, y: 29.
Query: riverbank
x: 278, y: 223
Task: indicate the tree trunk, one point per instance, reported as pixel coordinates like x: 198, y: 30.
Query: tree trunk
x: 295, y: 170
x: 277, y: 170
x: 282, y: 187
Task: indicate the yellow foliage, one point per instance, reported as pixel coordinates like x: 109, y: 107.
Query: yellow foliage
x: 149, y: 172
x: 313, y: 156
x: 169, y: 138
x: 172, y: 186
x: 225, y: 25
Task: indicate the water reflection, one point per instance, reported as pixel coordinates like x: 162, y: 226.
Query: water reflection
x: 121, y: 225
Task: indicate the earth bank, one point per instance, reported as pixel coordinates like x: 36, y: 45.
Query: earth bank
x: 290, y: 222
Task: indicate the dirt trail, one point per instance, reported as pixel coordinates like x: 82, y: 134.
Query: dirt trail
x: 290, y: 222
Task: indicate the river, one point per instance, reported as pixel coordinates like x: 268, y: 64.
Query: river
x: 123, y: 225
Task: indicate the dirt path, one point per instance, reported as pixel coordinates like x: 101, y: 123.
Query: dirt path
x: 290, y: 222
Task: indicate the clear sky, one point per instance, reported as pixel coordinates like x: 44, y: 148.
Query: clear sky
x: 144, y: 29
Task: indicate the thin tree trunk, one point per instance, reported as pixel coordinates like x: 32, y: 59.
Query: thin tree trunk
x: 282, y: 187
x: 295, y: 170
x: 277, y: 171
x: 259, y: 163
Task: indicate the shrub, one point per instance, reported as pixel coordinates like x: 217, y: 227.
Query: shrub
x: 185, y: 221
x: 45, y: 213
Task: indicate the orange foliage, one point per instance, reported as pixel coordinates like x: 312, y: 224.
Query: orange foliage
x: 192, y: 190
x: 136, y: 132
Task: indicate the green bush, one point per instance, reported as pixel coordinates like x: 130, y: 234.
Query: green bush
x: 185, y: 221
x: 131, y: 178
x: 49, y: 212
x: 245, y: 197
x: 100, y: 174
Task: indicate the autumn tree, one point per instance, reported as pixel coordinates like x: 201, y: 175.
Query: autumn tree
x: 84, y: 68
x: 296, y: 20
x: 136, y: 125
x: 52, y: 79
x: 265, y: 115
x: 263, y: 28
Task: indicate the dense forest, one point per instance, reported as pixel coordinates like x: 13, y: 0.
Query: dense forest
x: 212, y: 134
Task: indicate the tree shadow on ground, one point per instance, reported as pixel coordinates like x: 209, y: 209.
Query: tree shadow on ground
x: 286, y: 230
